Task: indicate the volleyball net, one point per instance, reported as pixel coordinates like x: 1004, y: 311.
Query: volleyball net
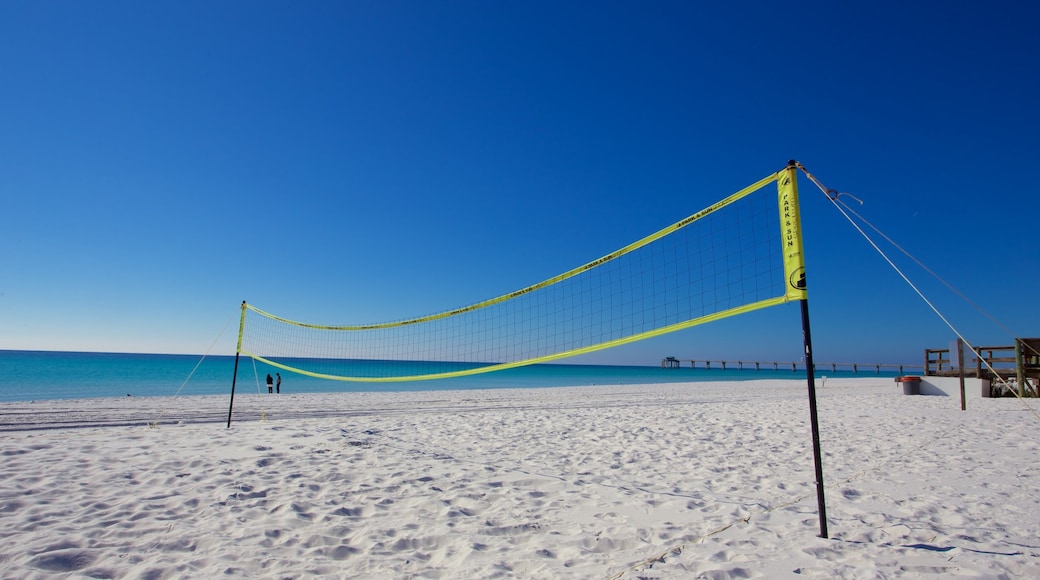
x: 740, y: 254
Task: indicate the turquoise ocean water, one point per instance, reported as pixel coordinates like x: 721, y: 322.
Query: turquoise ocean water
x: 40, y: 375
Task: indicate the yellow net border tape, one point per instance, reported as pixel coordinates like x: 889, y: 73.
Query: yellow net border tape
x: 559, y: 278
x: 542, y: 359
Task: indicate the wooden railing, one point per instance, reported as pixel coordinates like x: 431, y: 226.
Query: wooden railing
x: 1020, y: 360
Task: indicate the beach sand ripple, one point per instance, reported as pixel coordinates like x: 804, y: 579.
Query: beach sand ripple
x: 657, y: 481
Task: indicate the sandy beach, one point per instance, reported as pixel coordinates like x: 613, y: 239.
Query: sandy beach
x: 701, y: 480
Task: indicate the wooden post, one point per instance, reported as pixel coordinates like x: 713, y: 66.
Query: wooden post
x: 960, y: 368
x: 1020, y: 373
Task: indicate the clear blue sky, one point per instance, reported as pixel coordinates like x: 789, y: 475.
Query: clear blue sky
x: 345, y: 162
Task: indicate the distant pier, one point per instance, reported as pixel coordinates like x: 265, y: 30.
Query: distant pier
x: 672, y: 362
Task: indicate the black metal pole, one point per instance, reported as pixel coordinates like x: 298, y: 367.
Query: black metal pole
x: 810, y: 376
x: 234, y: 379
x: 238, y: 353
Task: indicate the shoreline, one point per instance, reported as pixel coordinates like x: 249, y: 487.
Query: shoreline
x: 650, y: 481
x: 251, y: 407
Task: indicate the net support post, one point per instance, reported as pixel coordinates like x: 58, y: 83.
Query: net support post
x: 810, y: 376
x: 794, y: 271
x: 238, y: 353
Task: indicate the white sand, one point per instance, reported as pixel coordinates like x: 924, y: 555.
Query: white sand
x: 664, y: 481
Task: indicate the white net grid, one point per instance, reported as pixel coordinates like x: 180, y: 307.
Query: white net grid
x: 725, y: 259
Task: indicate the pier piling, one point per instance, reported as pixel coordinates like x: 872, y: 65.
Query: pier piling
x: 674, y: 363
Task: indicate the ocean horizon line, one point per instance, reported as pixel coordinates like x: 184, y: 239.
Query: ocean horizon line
x: 726, y: 360
x: 43, y: 375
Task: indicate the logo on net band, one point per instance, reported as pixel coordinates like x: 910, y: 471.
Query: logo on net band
x: 797, y: 279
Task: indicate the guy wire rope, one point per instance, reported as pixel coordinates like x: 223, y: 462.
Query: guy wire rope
x: 177, y: 393
x: 833, y: 196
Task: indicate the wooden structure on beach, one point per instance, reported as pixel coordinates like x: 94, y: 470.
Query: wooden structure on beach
x: 1020, y: 361
x: 672, y: 362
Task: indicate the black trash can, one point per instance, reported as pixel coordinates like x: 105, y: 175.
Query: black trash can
x: 911, y: 385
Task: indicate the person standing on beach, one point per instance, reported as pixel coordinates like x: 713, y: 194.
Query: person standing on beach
x: 270, y: 389
x: 278, y: 385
